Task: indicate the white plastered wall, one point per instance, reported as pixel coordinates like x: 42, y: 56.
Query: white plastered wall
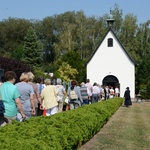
x: 112, y: 61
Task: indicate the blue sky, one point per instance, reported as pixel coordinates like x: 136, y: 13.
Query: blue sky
x: 39, y: 9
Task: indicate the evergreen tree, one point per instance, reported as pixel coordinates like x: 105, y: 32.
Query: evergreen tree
x: 31, y: 50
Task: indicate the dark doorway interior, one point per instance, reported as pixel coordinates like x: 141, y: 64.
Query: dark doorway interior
x: 111, y: 80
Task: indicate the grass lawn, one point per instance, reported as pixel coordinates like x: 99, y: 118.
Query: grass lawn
x: 127, y: 129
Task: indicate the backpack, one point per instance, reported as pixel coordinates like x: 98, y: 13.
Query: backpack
x: 73, y: 95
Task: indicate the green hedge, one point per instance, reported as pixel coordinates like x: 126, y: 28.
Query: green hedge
x: 63, y: 131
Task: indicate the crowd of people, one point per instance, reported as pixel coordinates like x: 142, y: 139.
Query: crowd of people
x: 27, y: 98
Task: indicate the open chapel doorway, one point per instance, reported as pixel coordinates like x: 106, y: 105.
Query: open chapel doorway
x: 111, y: 80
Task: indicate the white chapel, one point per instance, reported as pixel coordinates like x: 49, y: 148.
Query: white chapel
x: 111, y: 65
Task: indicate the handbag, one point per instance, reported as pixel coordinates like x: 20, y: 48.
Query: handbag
x: 58, y: 98
x: 44, y: 112
x: 67, y: 100
x: 2, y: 107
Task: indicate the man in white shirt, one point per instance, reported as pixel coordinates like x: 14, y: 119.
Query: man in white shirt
x: 95, y: 93
x: 116, y: 92
x: 90, y: 87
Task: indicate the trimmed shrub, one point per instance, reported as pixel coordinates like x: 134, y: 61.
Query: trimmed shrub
x: 67, y: 130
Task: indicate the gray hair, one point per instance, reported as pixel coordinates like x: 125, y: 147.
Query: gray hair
x: 24, y: 77
x: 59, y: 81
x: 82, y: 84
x: 47, y: 81
x: 31, y: 76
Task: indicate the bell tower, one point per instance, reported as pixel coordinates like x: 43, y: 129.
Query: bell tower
x: 110, y: 20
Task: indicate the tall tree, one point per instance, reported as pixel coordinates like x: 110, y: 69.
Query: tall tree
x: 65, y: 33
x: 45, y: 30
x: 12, y: 32
x: 128, y: 35
x: 117, y: 16
x: 144, y: 52
x: 32, y: 51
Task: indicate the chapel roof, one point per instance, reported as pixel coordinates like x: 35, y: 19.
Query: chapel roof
x: 111, y: 30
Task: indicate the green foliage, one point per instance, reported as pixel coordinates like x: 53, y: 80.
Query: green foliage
x: 66, y: 72
x: 117, y: 16
x: 18, y: 53
x: 31, y: 50
x: 74, y: 60
x: 145, y: 90
x: 12, y: 32
x: 48, y: 67
x: 148, y: 89
x: 73, y: 40
x: 66, y: 130
x: 128, y: 33
x: 39, y: 73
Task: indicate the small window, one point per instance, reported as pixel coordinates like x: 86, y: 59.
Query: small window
x: 110, y: 42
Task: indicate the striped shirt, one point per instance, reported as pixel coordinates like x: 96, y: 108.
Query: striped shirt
x: 84, y: 92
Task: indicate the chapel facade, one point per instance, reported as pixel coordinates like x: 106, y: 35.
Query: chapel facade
x: 111, y: 65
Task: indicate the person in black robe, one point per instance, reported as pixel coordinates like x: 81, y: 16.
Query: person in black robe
x: 127, y: 101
